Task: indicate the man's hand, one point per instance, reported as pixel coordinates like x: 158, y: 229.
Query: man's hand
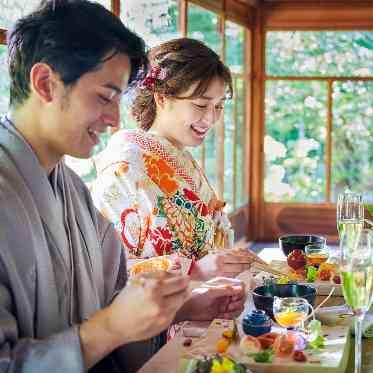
x: 143, y: 309
x: 227, y: 263
x: 221, y: 298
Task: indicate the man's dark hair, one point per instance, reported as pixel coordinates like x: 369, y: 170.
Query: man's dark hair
x: 73, y: 37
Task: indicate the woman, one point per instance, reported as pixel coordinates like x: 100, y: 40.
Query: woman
x: 148, y: 183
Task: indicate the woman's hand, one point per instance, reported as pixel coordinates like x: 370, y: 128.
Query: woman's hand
x: 222, y: 298
x: 228, y: 263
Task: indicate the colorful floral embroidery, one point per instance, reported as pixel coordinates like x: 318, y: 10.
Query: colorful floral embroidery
x: 200, y: 205
x: 130, y: 228
x: 161, y: 240
x: 161, y: 173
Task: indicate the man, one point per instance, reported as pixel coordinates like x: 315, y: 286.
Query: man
x: 63, y: 304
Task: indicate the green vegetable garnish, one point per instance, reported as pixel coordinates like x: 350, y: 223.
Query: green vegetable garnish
x: 264, y: 356
x: 316, y: 340
x: 311, y: 274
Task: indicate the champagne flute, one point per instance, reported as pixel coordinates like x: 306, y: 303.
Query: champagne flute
x: 350, y: 214
x: 357, y: 280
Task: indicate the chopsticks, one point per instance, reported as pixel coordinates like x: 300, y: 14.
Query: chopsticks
x: 267, y: 268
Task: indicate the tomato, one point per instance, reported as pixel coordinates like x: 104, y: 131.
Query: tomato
x: 296, y: 259
x: 299, y: 356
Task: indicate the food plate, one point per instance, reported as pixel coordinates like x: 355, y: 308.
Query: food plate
x: 158, y: 263
x: 322, y: 287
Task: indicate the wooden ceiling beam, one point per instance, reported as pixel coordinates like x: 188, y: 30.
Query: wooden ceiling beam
x: 330, y: 15
x: 236, y: 11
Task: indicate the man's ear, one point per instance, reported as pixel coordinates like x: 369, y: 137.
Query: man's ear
x: 43, y: 81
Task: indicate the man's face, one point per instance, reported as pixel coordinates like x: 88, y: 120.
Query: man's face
x: 79, y: 114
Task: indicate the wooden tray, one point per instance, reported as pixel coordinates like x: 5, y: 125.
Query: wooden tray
x: 332, y: 359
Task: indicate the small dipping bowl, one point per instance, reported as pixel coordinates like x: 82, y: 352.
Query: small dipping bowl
x: 256, y: 323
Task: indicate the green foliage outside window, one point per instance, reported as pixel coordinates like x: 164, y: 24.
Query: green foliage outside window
x: 322, y: 53
x: 352, y: 161
x: 294, y: 144
x: 296, y: 115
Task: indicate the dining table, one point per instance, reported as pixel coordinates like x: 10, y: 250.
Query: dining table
x: 169, y: 353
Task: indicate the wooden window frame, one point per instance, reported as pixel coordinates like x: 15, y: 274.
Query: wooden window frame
x: 271, y: 219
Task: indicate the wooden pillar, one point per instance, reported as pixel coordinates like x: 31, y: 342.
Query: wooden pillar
x: 257, y: 130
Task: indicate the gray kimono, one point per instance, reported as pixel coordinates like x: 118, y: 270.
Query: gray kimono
x: 59, y: 262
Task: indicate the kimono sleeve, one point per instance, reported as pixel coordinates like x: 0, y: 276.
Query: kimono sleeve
x: 21, y: 355
x: 20, y: 351
x: 125, y: 195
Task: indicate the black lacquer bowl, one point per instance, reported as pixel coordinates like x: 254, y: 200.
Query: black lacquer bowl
x: 290, y: 242
x: 263, y: 295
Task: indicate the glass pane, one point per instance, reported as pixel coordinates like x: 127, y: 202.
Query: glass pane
x: 4, y: 80
x: 242, y: 160
x: 204, y: 26
x: 309, y: 53
x: 126, y: 119
x: 229, y: 138
x: 11, y: 10
x: 352, y: 156
x: 210, y: 144
x: 234, y: 53
x: 294, y: 144
x: 155, y: 21
x: 197, y: 153
x: 105, y: 3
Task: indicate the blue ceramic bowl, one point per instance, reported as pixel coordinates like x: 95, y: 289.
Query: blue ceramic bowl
x: 256, y: 323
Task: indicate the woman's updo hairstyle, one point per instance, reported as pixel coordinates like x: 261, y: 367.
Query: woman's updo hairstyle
x: 174, y: 66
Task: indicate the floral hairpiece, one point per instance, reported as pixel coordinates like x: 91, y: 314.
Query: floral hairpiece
x: 155, y: 73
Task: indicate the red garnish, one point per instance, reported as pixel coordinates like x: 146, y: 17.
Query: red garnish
x: 337, y: 279
x: 299, y: 356
x: 187, y: 342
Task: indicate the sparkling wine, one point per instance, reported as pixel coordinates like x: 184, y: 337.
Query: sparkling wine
x: 358, y: 287
x: 351, y: 228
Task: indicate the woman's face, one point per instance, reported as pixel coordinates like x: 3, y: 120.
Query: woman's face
x: 186, y: 122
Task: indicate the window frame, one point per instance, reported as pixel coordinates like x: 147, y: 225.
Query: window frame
x: 272, y: 219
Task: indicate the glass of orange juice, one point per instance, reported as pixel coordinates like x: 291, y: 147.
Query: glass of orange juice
x: 316, y: 254
x: 290, y: 312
